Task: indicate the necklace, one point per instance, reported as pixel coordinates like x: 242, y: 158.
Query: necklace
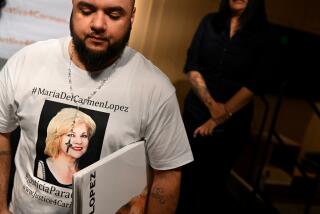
x: 102, y: 83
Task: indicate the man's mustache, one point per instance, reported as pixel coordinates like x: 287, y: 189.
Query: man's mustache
x: 97, y: 36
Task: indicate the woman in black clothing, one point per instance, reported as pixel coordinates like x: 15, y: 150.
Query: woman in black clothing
x: 223, y: 65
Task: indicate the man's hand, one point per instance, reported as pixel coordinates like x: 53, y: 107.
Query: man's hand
x: 5, y: 212
x: 205, y: 129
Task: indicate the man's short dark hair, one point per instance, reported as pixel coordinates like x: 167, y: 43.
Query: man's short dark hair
x: 2, y: 3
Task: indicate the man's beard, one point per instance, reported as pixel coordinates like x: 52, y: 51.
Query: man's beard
x: 98, y: 60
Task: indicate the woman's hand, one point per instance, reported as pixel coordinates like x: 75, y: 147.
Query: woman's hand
x: 205, y: 129
x: 219, y: 113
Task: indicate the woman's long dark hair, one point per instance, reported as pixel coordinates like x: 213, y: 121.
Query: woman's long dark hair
x: 253, y: 17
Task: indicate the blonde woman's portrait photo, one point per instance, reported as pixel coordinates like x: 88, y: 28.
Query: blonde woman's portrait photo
x: 63, y: 148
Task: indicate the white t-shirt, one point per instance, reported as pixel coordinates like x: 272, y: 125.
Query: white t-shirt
x: 137, y: 101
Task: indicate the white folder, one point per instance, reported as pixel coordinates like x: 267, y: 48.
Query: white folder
x: 108, y: 184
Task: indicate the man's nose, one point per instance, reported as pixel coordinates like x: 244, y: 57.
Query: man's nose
x: 99, y: 22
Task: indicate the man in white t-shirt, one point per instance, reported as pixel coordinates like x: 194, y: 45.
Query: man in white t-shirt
x: 94, y: 73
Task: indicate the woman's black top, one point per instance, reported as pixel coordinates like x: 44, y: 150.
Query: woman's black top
x: 49, y: 177
x: 226, y: 64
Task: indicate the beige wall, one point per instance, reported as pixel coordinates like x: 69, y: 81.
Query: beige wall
x: 163, y: 30
x: 169, y: 27
x: 298, y: 14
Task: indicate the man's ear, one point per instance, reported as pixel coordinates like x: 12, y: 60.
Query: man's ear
x: 133, y: 15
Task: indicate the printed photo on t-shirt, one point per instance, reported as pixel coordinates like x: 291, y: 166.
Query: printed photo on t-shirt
x: 69, y: 139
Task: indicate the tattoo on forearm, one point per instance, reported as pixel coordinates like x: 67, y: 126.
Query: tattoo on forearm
x: 159, y: 195
x: 202, y: 92
x: 204, y: 95
x: 5, y: 152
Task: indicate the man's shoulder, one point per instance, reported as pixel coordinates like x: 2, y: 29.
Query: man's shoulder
x: 42, y: 47
x: 143, y: 66
x: 138, y: 61
x: 38, y: 51
x: 145, y: 72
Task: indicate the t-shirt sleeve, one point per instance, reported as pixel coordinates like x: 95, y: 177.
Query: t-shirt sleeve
x: 7, y: 108
x: 193, y: 54
x: 167, y: 142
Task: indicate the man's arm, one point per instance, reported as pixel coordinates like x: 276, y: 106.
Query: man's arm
x: 164, y: 191
x: 5, y: 165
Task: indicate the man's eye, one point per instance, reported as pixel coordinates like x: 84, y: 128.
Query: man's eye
x: 115, y: 15
x: 85, y: 11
